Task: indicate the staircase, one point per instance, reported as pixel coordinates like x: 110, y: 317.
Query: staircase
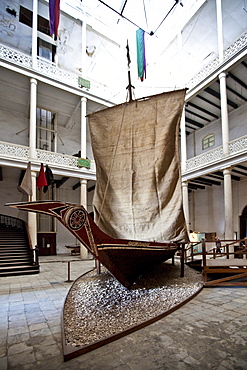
x: 16, y: 257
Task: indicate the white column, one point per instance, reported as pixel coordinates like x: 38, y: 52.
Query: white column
x: 224, y: 113
x: 183, y: 142
x: 32, y: 217
x: 32, y: 125
x: 186, y: 204
x: 220, y: 30
x: 83, y: 201
x: 83, y: 127
x: 228, y: 204
x: 35, y: 33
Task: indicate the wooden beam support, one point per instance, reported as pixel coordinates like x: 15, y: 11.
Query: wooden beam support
x: 61, y: 182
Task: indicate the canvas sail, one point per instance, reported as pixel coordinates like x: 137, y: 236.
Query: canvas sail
x: 138, y: 189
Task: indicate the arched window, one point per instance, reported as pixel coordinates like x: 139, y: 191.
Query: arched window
x: 208, y: 141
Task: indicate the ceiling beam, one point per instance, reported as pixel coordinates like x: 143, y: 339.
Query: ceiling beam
x: 190, y: 127
x: 240, y: 172
x: 208, y: 101
x: 61, y: 182
x: 240, y: 82
x: 195, y: 187
x: 197, y: 115
x: 215, y: 176
x: 217, y: 95
x: 202, y: 110
x: 91, y: 188
x: 76, y: 186
x: 242, y: 167
x: 197, y: 124
x: 200, y: 182
x: 234, y: 92
x: 207, y: 181
x: 220, y: 173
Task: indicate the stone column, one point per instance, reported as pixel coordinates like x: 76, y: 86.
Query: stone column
x: 228, y: 204
x: 32, y: 124
x: 83, y: 201
x: 35, y: 33
x: 224, y: 113
x: 32, y: 217
x: 83, y: 127
x: 183, y: 142
x: 186, y: 204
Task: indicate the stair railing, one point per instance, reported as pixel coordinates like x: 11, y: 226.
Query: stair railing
x: 9, y: 221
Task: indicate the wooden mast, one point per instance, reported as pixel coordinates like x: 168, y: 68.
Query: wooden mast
x: 130, y: 86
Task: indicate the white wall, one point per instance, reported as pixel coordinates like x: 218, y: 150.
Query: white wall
x: 237, y: 128
x: 207, y: 208
x: 10, y: 125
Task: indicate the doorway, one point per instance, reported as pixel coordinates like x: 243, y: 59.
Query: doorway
x: 243, y: 224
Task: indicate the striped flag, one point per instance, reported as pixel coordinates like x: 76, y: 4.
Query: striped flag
x: 54, y: 11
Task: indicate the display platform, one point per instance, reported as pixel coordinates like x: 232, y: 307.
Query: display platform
x: 99, y: 310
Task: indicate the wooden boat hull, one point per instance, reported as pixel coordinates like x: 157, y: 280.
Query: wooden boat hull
x: 124, y: 259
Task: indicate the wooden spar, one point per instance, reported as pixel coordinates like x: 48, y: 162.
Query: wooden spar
x: 130, y: 86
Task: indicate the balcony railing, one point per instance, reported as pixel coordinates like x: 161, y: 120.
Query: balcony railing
x: 234, y: 48
x: 52, y: 71
x: 215, y: 155
x: 20, y: 152
x: 49, y: 69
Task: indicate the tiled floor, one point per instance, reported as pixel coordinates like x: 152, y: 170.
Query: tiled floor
x: 209, y: 332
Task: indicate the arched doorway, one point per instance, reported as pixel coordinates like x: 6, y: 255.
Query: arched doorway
x: 243, y: 224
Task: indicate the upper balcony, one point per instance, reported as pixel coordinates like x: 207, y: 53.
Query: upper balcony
x: 62, y: 164
x: 46, y: 68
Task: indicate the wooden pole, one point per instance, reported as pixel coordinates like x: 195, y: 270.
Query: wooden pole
x: 204, y: 260
x: 182, y: 261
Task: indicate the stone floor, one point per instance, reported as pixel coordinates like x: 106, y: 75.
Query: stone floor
x: 209, y: 332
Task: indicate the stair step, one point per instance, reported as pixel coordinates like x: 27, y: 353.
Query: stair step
x: 13, y: 248
x: 15, y: 259
x: 15, y: 253
x: 13, y: 264
x: 25, y: 270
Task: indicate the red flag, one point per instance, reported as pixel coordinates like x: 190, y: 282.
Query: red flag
x: 41, y: 179
x: 26, y: 183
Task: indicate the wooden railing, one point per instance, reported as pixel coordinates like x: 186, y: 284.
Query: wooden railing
x: 199, y: 250
x: 230, y: 260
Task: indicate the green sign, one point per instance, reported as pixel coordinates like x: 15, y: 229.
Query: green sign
x: 83, y: 162
x: 83, y: 83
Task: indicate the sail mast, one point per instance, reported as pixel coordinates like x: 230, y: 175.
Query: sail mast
x: 130, y: 86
